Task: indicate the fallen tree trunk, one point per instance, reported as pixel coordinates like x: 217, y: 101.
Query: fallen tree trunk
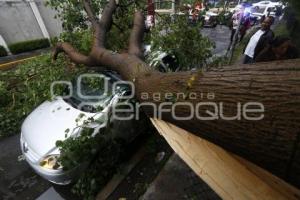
x: 271, y: 142
x: 271, y: 90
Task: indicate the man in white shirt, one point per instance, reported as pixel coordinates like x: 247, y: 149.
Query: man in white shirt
x: 259, y: 40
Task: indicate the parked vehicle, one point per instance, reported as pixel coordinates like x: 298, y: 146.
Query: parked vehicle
x: 264, y: 4
x: 257, y: 13
x: 48, y: 123
x: 210, y: 19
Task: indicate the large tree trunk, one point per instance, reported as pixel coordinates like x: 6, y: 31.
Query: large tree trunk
x: 272, y: 142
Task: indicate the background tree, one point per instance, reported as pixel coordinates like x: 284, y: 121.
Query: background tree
x: 174, y: 35
x: 76, y: 25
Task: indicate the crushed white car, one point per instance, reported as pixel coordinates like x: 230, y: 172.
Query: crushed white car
x: 48, y: 123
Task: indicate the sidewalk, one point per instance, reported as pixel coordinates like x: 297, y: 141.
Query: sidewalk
x: 11, y: 58
x: 11, y: 61
x: 177, y: 181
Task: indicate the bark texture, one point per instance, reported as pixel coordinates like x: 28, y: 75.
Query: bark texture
x: 272, y: 143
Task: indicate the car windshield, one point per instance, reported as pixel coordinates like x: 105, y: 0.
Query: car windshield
x: 89, y: 93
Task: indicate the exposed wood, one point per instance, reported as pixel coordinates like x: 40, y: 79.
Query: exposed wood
x: 275, y: 182
x: 230, y: 176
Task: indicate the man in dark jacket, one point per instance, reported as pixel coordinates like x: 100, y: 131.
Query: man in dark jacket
x: 259, y: 40
x: 281, y: 48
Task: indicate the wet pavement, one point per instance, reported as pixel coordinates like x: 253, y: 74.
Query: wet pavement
x: 17, y: 180
x: 221, y: 36
x: 177, y: 181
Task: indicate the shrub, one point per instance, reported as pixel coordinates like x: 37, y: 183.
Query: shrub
x: 2, y: 51
x: 29, y: 45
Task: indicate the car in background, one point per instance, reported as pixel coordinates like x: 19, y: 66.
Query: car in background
x: 210, y: 19
x: 258, y: 13
x: 48, y: 123
x: 264, y: 4
x: 261, y: 4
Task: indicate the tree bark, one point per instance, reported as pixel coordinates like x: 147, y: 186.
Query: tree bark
x: 272, y: 143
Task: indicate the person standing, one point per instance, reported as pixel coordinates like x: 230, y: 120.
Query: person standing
x: 259, y: 40
x: 235, y: 20
x: 245, y: 25
x: 281, y: 48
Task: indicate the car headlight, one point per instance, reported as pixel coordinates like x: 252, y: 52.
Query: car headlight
x: 51, y: 162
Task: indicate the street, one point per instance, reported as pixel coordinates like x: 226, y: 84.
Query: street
x: 221, y: 36
x: 17, y: 180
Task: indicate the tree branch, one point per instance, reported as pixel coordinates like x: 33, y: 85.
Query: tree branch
x: 90, y: 13
x: 94, y: 21
x: 136, y: 36
x: 106, y: 21
x: 73, y: 54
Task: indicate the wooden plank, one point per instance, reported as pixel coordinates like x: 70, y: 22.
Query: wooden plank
x: 228, y: 175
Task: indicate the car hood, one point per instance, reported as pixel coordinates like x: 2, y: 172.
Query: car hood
x: 48, y: 123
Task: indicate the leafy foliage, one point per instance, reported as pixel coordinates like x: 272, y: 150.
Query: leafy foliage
x: 100, y: 152
x: 102, y: 169
x: 224, y: 17
x: 78, y: 150
x: 2, y: 51
x: 176, y: 36
x: 71, y: 13
x: 81, y: 39
x: 76, y: 24
x: 26, y: 87
x: 29, y: 45
x: 179, y: 38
